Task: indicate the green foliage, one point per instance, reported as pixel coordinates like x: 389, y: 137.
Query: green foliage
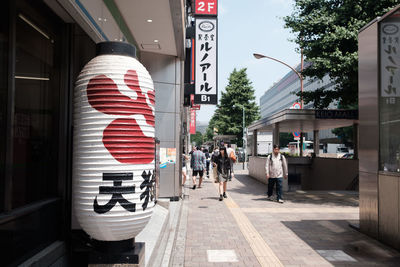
x: 327, y: 30
x: 228, y: 117
x: 345, y: 135
x: 285, y: 138
x: 196, y: 138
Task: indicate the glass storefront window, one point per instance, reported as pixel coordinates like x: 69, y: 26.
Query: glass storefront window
x: 36, y: 112
x: 390, y: 94
x: 3, y: 95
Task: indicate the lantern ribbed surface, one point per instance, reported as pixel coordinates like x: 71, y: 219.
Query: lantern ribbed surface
x: 113, y: 150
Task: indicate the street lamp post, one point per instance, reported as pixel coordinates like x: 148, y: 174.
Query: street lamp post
x: 258, y: 56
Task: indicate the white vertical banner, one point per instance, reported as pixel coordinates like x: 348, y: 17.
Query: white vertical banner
x: 206, y: 61
x: 390, y: 59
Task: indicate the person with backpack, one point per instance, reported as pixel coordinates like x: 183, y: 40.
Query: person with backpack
x: 276, y: 169
x: 222, y: 163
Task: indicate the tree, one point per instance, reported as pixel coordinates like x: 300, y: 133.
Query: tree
x: 228, y: 116
x: 208, y: 136
x: 327, y: 30
x: 196, y: 138
x: 285, y: 138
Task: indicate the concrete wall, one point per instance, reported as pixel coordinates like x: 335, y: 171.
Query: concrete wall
x: 330, y: 174
x: 389, y: 209
x: 257, y: 170
x: 316, y: 173
x: 166, y: 72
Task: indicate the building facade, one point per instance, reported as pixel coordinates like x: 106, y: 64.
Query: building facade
x: 43, y: 47
x: 282, y: 95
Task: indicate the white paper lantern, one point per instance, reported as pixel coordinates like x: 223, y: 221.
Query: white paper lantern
x: 113, y: 150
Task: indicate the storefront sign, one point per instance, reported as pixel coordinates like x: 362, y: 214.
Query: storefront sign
x: 206, y: 7
x: 337, y: 114
x: 206, y: 61
x: 390, y: 58
x: 192, y: 121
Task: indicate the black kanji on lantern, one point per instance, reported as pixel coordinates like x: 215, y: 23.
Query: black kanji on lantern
x: 148, y: 184
x: 117, y: 190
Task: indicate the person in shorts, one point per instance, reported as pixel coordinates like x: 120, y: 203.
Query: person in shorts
x: 184, y: 170
x: 222, y: 163
x: 198, y: 165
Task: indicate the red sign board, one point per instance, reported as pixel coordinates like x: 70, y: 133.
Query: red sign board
x: 206, y: 7
x: 192, y: 121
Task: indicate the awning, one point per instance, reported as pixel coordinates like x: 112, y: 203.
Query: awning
x: 306, y: 120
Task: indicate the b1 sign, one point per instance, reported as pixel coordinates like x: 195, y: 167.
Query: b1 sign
x: 206, y: 7
x: 206, y: 61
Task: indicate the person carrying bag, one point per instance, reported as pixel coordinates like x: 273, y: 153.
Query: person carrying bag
x: 222, y: 163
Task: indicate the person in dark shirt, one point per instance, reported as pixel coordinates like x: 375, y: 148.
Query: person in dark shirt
x: 222, y: 163
x: 207, y: 155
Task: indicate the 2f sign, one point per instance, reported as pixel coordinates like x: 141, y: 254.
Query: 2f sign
x: 206, y: 7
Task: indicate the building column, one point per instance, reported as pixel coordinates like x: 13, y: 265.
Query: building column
x: 275, y: 134
x: 316, y: 143
x: 355, y: 140
x: 255, y: 132
x: 301, y: 144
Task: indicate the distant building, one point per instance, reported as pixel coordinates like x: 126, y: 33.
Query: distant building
x: 201, y: 126
x: 282, y: 95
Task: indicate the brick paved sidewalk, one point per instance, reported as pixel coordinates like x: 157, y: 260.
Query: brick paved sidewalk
x: 211, y: 227
x: 309, y: 229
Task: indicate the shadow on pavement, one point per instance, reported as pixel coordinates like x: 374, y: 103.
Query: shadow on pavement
x: 336, y: 235
x: 253, y: 187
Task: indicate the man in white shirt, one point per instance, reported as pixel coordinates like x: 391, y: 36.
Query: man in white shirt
x: 230, y: 150
x: 276, y: 168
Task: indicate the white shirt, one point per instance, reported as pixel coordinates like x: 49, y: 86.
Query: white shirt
x: 229, y: 150
x: 278, y: 168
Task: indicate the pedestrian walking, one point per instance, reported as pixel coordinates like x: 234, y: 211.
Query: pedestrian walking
x: 198, y: 165
x: 207, y: 155
x: 222, y: 163
x: 232, y: 160
x: 276, y: 168
x: 214, y: 166
x: 184, y: 170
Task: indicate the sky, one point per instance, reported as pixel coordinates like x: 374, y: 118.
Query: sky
x: 247, y: 27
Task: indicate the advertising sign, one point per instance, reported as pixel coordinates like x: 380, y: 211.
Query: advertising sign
x: 192, y: 121
x: 206, y: 61
x: 206, y: 7
x: 390, y: 59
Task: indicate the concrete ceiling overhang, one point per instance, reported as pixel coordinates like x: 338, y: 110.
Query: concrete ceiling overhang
x: 298, y: 120
x: 128, y: 20
x: 166, y: 26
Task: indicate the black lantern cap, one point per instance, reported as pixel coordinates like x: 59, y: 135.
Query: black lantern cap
x: 115, y: 48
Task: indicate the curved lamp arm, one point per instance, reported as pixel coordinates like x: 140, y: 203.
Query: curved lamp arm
x: 258, y: 56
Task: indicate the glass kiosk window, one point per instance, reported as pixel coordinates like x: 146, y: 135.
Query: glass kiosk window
x: 389, y: 47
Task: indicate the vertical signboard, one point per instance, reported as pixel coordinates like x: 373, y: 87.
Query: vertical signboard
x: 390, y: 59
x: 192, y: 121
x: 206, y: 7
x: 206, y: 61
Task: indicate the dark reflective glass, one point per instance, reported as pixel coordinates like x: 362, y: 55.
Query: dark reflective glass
x: 26, y: 235
x: 3, y: 95
x: 36, y: 110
